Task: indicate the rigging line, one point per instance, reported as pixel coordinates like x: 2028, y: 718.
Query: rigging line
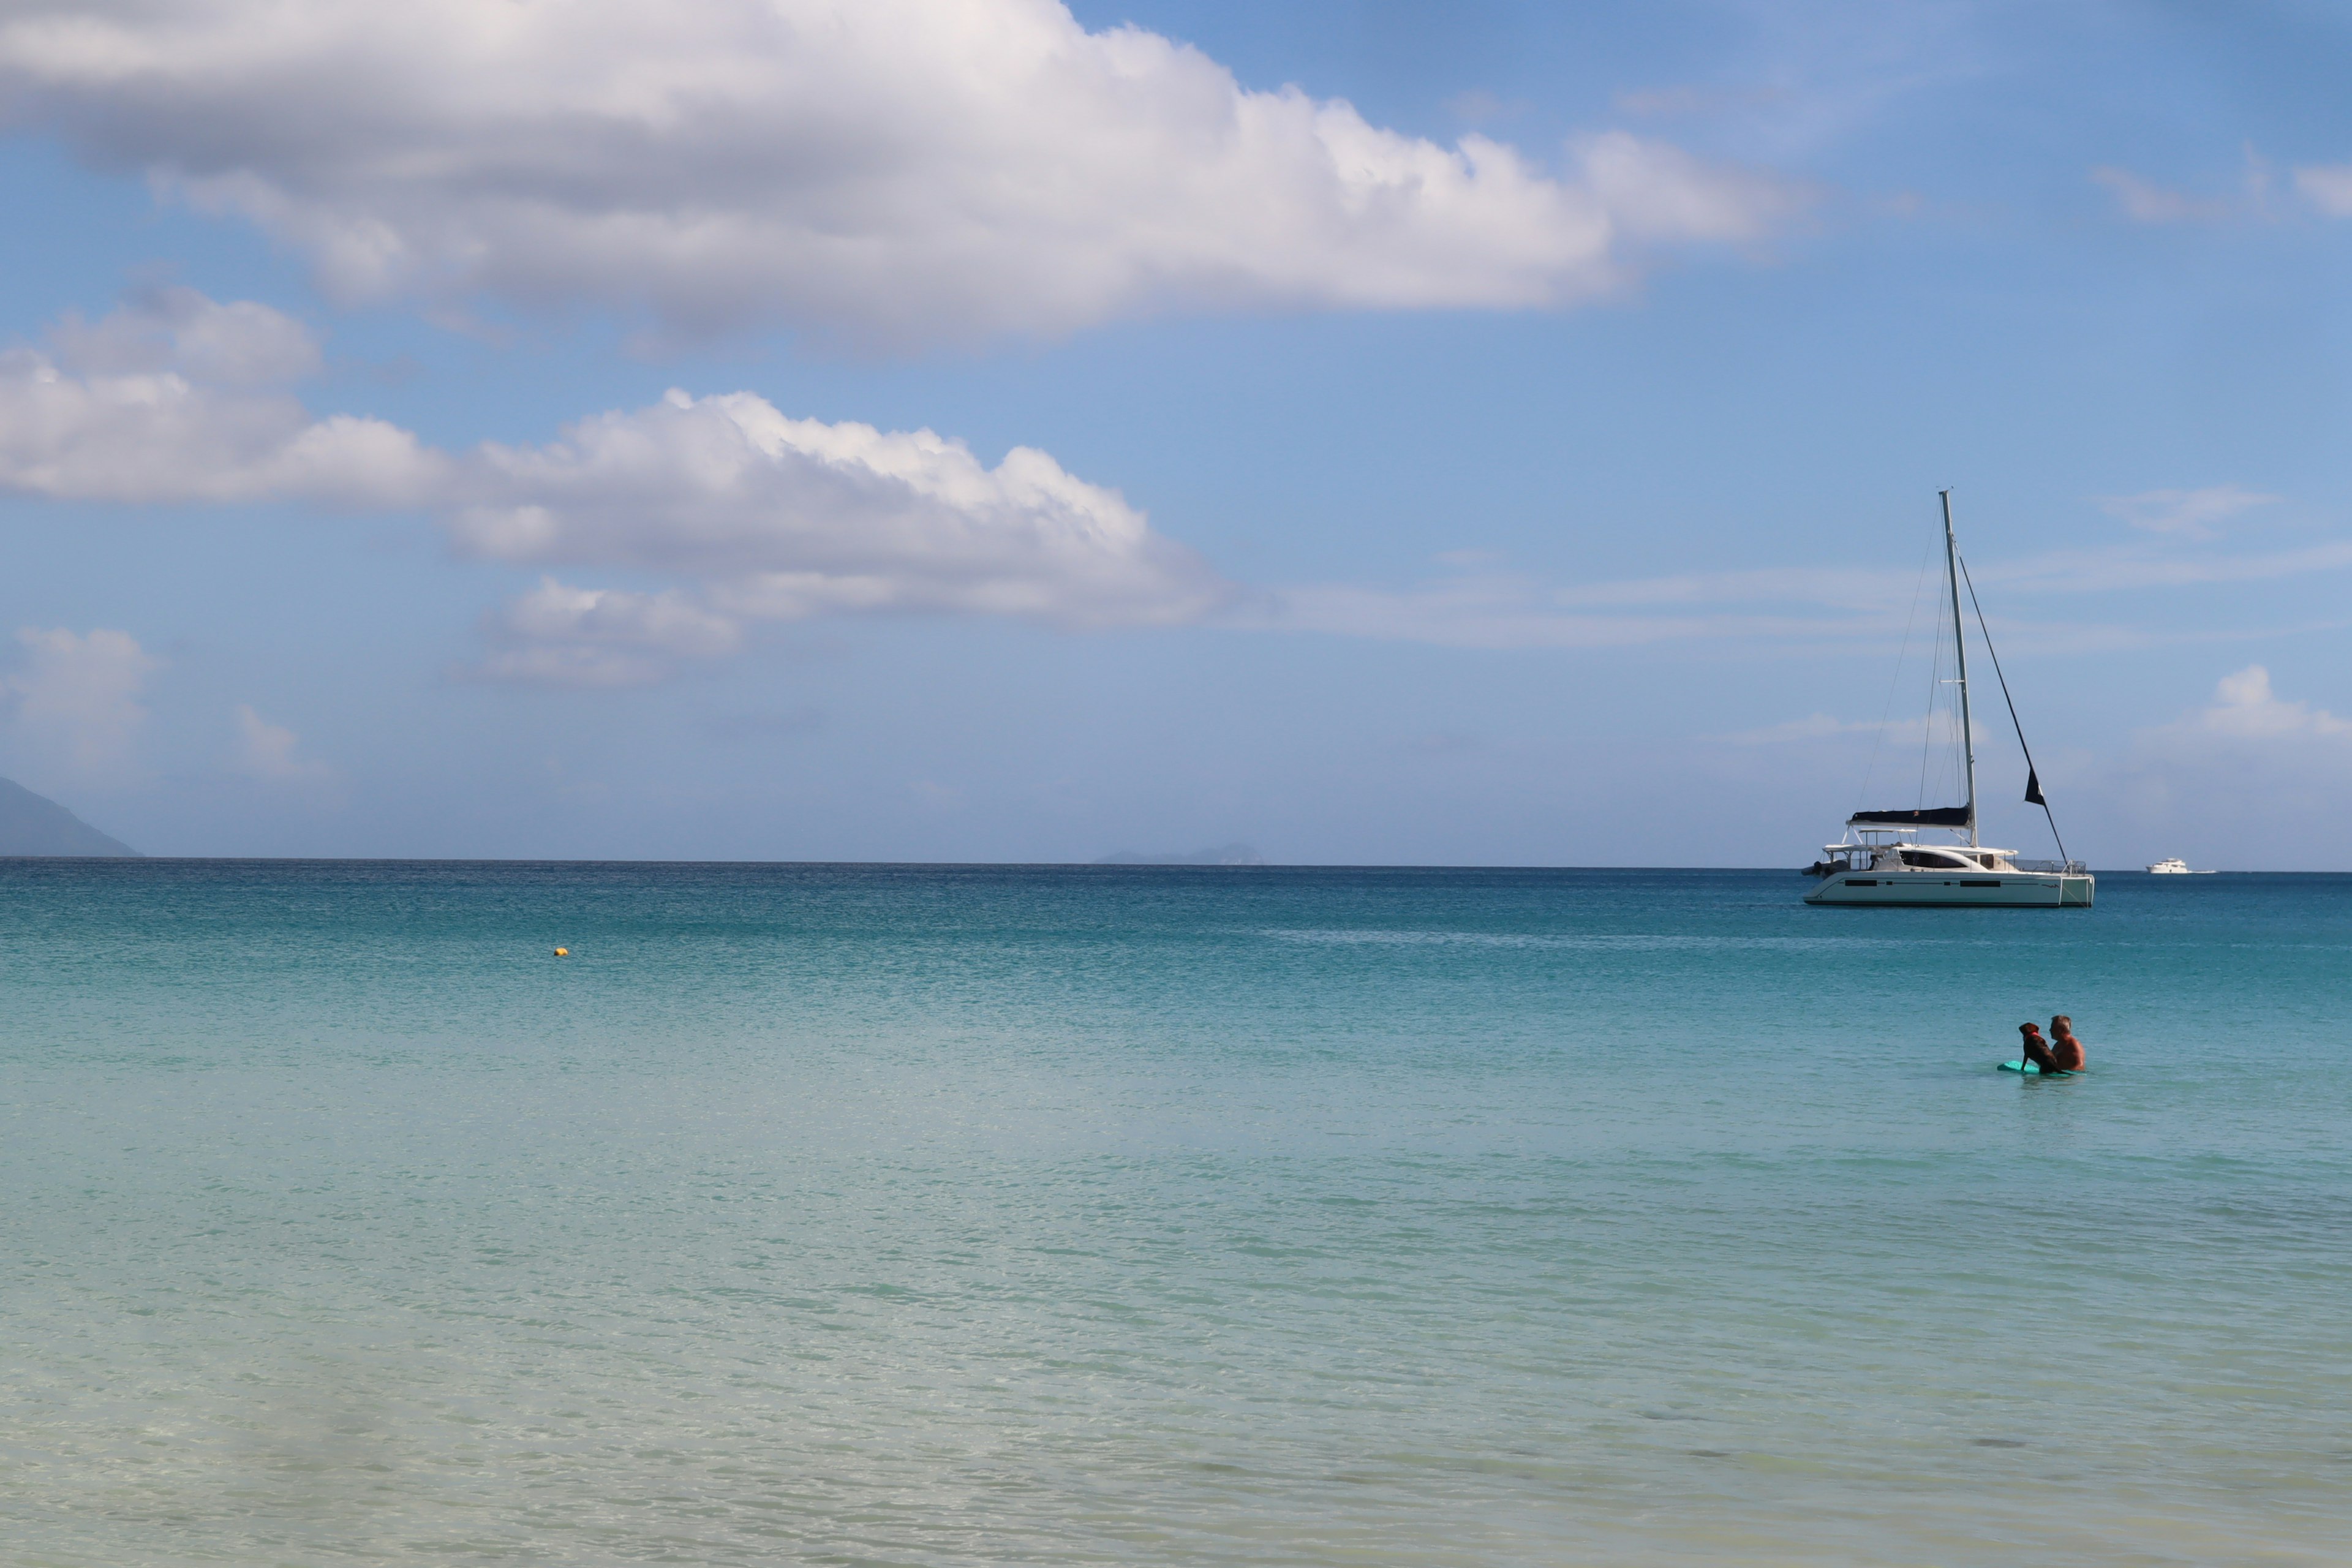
x: 2021, y: 746
x: 1886, y: 709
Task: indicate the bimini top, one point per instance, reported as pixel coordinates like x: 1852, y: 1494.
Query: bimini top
x: 1930, y: 816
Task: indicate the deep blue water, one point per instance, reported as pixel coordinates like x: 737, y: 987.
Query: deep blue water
x: 1063, y: 1215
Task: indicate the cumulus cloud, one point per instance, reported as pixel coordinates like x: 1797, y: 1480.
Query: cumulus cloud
x: 774, y: 517
x: 2218, y: 780
x: 2246, y: 708
x: 895, y: 172
x: 176, y: 328
x: 272, y: 754
x: 786, y: 518
x: 173, y: 398
x: 75, y: 698
x: 2327, y: 187
x: 557, y: 634
x: 2190, y: 514
x: 768, y: 517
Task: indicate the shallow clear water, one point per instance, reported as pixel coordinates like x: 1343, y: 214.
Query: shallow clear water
x: 938, y: 1216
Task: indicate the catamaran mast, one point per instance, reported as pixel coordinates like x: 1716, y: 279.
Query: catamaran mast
x: 1960, y: 650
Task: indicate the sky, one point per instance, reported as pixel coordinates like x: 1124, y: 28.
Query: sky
x: 982, y: 430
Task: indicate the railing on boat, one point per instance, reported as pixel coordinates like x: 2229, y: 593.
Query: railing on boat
x: 2065, y: 868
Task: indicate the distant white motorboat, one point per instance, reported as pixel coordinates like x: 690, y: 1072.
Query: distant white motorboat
x: 1881, y: 861
x: 2175, y: 868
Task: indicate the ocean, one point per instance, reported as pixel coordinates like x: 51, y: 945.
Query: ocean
x: 942, y: 1215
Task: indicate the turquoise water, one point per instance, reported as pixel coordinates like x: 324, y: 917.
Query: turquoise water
x: 958, y: 1216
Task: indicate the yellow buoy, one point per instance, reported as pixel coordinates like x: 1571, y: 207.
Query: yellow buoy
x: 563, y: 953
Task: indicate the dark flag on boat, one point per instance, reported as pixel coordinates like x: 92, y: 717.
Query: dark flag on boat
x: 2034, y: 787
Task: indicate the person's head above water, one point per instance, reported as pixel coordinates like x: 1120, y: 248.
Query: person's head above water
x: 2060, y: 1023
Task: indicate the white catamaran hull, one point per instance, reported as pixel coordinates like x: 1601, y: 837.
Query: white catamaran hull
x: 2009, y: 890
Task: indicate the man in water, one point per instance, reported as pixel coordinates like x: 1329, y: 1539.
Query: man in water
x: 2064, y: 1045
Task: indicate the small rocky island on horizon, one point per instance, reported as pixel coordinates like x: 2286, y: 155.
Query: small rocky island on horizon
x: 35, y: 826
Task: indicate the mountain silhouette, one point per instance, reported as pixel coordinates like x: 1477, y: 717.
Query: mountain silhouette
x: 34, y: 824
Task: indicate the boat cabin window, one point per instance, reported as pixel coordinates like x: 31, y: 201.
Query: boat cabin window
x: 1939, y: 858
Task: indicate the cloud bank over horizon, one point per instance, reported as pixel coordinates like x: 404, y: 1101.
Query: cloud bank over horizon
x: 888, y: 174
x: 176, y: 398
x: 172, y: 398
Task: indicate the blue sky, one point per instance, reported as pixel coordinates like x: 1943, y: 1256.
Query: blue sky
x: 1376, y: 432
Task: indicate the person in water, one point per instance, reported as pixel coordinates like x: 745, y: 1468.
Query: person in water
x: 2063, y: 1055
x: 2064, y: 1046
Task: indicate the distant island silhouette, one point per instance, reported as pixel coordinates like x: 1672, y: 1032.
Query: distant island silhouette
x: 32, y: 825
x: 1227, y: 855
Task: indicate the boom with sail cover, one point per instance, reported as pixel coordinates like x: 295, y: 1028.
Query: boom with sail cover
x: 1929, y: 816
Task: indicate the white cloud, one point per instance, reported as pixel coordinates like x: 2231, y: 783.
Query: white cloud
x: 561, y: 636
x: 271, y: 752
x: 2145, y: 200
x: 1843, y: 585
x: 176, y: 328
x: 2190, y: 514
x: 2111, y: 571
x: 895, y: 172
x: 166, y: 399
x: 75, y: 698
x: 1505, y: 613
x: 2236, y: 782
x: 1656, y: 192
x: 770, y: 517
x: 2327, y: 187
x: 1497, y: 610
x: 786, y: 518
x: 782, y: 519
x: 1822, y: 605
x: 776, y: 518
x: 2246, y: 708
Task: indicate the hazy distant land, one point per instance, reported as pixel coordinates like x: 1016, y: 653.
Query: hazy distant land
x: 1225, y: 855
x: 34, y: 824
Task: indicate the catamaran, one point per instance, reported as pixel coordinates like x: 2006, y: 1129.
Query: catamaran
x: 1881, y: 860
